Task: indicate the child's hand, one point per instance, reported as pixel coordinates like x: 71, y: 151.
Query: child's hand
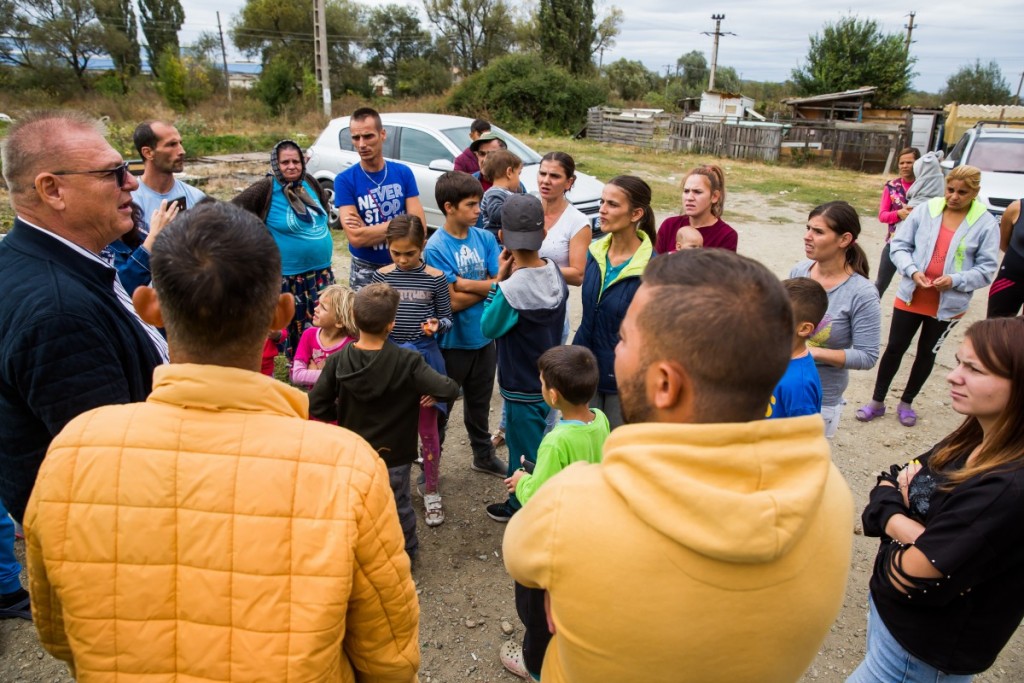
x: 511, y: 482
x: 428, y: 401
x: 430, y: 326
x: 506, y: 264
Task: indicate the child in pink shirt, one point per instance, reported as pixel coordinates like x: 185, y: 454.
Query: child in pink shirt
x: 333, y: 328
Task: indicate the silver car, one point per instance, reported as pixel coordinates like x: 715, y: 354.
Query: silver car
x: 428, y: 144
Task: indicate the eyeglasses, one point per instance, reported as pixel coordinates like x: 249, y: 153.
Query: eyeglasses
x: 120, y: 173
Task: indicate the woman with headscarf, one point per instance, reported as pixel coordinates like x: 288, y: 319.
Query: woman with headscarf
x: 292, y: 205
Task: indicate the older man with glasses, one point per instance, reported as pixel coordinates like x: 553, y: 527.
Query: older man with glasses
x: 70, y: 339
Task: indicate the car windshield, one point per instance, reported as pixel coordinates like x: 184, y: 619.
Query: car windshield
x: 460, y: 136
x: 998, y: 155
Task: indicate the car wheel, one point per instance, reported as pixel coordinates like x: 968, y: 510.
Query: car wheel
x: 333, y: 218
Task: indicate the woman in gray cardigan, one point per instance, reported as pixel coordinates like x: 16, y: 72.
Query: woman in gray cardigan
x: 945, y: 249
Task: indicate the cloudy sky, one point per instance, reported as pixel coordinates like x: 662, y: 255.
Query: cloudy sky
x: 770, y: 40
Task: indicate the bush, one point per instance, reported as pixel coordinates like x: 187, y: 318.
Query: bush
x: 523, y: 92
x: 279, y: 84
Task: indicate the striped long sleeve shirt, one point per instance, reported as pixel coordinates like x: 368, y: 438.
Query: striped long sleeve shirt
x: 423, y: 294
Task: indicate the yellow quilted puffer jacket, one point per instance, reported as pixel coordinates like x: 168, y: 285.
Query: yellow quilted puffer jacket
x: 213, y: 533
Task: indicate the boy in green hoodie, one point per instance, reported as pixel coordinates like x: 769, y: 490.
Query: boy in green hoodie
x: 375, y: 389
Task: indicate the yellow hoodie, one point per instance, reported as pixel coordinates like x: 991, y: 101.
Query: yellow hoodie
x: 697, y: 553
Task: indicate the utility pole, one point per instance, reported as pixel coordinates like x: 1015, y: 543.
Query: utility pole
x: 668, y: 70
x: 1019, y: 83
x: 910, y: 31
x: 600, y: 60
x: 224, y: 58
x: 323, y: 76
x: 717, y: 18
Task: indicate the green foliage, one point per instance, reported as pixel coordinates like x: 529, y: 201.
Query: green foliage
x: 161, y: 21
x: 853, y: 53
x: 523, y: 91
x: 120, y: 36
x: 567, y: 34
x: 48, y: 36
x: 403, y: 50
x: 478, y: 31
x: 278, y: 85
x: 421, y: 76
x: 183, y: 82
x: 694, y: 71
x: 978, y: 84
x: 630, y: 78
x: 283, y: 29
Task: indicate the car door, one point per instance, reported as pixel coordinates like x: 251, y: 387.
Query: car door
x: 418, y: 149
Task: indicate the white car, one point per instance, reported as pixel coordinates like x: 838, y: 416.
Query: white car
x: 428, y: 144
x: 997, y: 150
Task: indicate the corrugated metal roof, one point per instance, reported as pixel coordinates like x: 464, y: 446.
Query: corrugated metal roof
x: 987, y: 111
x: 829, y: 97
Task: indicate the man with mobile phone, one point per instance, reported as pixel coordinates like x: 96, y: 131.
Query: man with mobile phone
x: 159, y: 145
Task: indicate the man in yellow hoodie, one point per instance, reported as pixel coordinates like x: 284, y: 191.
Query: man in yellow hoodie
x: 213, y: 532
x: 710, y: 544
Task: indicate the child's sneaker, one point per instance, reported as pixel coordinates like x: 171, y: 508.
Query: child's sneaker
x: 511, y: 656
x: 435, y: 513
x: 501, y: 512
x: 498, y: 438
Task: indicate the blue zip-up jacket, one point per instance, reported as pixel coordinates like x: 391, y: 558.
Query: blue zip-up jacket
x: 972, y: 260
x: 603, y: 312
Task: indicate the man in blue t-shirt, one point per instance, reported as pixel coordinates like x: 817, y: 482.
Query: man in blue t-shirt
x: 369, y: 194
x: 159, y: 145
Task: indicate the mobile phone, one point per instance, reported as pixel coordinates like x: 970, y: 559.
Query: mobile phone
x: 180, y: 201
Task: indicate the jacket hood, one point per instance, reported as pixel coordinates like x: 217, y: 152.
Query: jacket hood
x: 533, y: 289
x: 219, y: 389
x: 739, y: 493
x: 928, y: 179
x: 368, y: 374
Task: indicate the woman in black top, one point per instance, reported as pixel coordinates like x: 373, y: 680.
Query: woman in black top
x: 946, y: 591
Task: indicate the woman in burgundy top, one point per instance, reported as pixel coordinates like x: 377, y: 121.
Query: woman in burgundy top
x: 703, y: 199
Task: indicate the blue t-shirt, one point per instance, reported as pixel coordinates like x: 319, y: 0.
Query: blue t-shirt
x: 378, y: 197
x: 798, y: 392
x: 150, y: 200
x: 473, y: 258
x: 304, y: 245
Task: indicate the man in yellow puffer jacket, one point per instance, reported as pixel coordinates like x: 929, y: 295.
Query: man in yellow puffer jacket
x: 213, y: 532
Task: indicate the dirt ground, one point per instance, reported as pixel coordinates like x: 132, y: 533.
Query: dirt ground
x: 466, y: 596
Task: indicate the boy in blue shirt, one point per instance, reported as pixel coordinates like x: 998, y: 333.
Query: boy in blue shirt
x: 468, y: 257
x: 524, y: 312
x: 799, y: 390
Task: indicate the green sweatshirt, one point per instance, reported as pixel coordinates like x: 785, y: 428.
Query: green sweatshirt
x: 570, y: 441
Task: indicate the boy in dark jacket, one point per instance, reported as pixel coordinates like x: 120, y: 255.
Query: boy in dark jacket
x: 375, y: 388
x: 524, y: 312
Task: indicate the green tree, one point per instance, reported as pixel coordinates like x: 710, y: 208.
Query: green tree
x: 607, y: 30
x: 978, y: 84
x: 694, y: 72
x: 727, y: 80
x: 57, y: 34
x: 567, y: 34
x: 161, y: 20
x: 121, y: 38
x: 183, y: 81
x: 853, y: 53
x: 283, y: 29
x: 630, y: 78
x: 477, y: 30
x: 397, y: 37
x: 279, y: 83
x: 524, y: 91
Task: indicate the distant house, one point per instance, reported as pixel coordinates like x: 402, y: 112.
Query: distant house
x: 379, y: 84
x: 960, y: 117
x: 848, y: 105
x: 719, y: 104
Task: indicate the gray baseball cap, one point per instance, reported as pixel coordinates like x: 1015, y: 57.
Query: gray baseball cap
x: 522, y: 222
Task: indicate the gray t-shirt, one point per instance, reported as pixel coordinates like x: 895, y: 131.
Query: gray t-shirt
x: 852, y: 323
x: 150, y: 200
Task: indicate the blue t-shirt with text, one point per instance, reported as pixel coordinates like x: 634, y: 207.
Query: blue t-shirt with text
x: 378, y: 197
x: 473, y: 258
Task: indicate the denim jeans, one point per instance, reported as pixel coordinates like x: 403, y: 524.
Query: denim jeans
x: 10, y: 569
x: 887, y: 662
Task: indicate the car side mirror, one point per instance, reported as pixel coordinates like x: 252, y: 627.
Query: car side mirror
x: 947, y: 164
x: 441, y: 165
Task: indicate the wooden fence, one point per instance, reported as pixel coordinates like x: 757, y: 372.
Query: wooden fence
x: 863, y: 147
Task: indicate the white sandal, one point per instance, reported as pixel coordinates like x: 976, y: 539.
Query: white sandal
x: 511, y: 656
x: 434, y: 512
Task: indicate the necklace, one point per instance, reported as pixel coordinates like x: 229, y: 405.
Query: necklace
x: 370, y: 178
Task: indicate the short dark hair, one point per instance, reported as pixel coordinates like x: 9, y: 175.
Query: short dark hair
x: 809, y: 299
x: 455, y: 186
x: 479, y: 126
x: 571, y: 371
x: 367, y: 113
x: 144, y: 136
x: 375, y: 307
x: 727, y: 320
x: 498, y: 162
x: 217, y: 275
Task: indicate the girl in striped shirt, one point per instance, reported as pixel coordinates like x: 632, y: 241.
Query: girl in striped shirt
x: 424, y: 312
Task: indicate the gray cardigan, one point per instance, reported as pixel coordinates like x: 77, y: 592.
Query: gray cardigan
x: 972, y: 260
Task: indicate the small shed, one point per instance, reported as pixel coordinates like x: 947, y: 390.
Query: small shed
x: 848, y: 105
x: 379, y: 84
x: 719, y: 104
x: 960, y: 117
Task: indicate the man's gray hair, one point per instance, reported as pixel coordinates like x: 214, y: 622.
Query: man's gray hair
x: 33, y: 144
